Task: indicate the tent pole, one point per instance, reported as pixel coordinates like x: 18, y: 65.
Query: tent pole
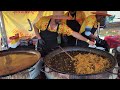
x: 4, y: 42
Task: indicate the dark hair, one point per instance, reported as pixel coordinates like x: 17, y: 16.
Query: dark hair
x: 72, y: 13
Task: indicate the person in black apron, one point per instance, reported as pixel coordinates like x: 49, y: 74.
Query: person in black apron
x: 91, y: 36
x: 75, y: 26
x: 50, y: 40
x: 99, y: 42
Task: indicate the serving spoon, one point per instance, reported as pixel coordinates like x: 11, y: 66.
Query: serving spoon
x: 67, y: 53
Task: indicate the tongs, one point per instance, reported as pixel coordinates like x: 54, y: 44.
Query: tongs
x: 67, y: 53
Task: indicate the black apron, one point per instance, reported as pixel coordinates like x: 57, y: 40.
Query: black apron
x: 50, y: 39
x: 75, y: 26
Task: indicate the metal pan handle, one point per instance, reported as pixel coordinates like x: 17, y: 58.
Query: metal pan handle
x: 116, y: 70
x: 44, y: 70
x: 27, y: 71
x: 33, y: 68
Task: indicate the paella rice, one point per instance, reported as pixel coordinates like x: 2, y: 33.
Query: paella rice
x: 90, y: 63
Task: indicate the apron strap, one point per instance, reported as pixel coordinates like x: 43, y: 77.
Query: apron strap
x: 57, y: 28
x: 48, y: 24
x: 75, y: 15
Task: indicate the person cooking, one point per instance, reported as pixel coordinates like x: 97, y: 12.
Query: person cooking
x: 75, y: 22
x: 48, y: 29
x: 89, y: 27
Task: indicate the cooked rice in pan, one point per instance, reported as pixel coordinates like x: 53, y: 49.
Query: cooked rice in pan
x: 90, y: 63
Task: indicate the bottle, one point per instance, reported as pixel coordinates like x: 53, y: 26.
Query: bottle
x: 59, y: 39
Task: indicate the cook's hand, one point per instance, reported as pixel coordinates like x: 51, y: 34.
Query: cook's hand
x: 90, y: 42
x: 40, y: 45
x: 41, y: 42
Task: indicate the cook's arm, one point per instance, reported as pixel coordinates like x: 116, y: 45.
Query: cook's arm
x: 88, y: 32
x: 40, y: 40
x: 80, y: 37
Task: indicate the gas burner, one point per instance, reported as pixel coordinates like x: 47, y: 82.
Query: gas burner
x: 114, y: 74
x: 116, y: 53
x: 118, y: 49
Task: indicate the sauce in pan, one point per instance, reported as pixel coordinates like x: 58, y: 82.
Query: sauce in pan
x: 14, y: 62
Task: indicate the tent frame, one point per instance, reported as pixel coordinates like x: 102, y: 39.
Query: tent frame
x: 4, y: 42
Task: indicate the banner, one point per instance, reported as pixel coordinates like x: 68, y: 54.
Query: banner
x: 48, y: 13
x: 20, y: 22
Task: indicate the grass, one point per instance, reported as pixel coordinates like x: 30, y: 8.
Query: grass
x: 111, y: 29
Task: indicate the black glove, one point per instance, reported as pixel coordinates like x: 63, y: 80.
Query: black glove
x: 41, y: 42
x: 40, y: 45
x: 98, y: 40
x: 102, y: 43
